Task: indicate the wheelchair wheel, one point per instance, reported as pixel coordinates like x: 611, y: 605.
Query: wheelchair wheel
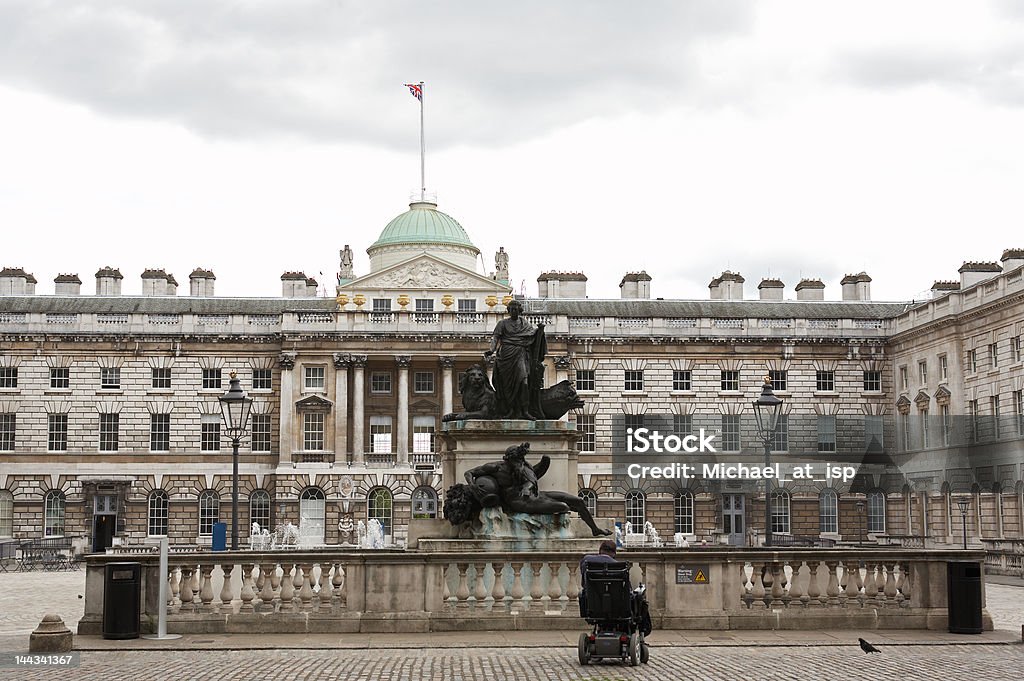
x: 583, y: 649
x: 645, y: 653
x: 634, y: 649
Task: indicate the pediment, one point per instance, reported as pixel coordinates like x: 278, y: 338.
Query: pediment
x: 903, y: 404
x: 313, y: 403
x: 922, y: 399
x: 425, y: 271
x: 942, y: 395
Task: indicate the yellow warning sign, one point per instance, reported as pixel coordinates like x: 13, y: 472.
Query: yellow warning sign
x: 699, y: 577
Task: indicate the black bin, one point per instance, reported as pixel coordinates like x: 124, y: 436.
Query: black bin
x: 122, y: 594
x: 963, y: 582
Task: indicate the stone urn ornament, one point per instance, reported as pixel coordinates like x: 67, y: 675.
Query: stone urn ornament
x: 403, y: 301
x: 341, y: 300
x: 447, y: 300
x: 359, y: 300
x: 491, y: 301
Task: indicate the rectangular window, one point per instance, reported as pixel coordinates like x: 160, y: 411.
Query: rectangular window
x: 972, y: 414
x: 905, y: 427
x: 423, y: 382
x: 780, y: 443
x: 8, y: 377
x: 161, y: 378
x: 424, y: 304
x: 57, y: 432
x: 1017, y: 343
x: 467, y: 305
x: 943, y: 368
x: 586, y: 424
x: 1018, y: 406
x: 730, y: 380
x: 261, y: 432
x: 159, y: 432
x: 313, y: 432
x: 382, y: 305
x: 262, y: 379
x: 8, y: 424
x: 423, y: 434
x: 777, y: 378
x: 380, y: 382
x: 994, y: 402
x: 874, y: 434
x: 682, y: 425
x: 826, y: 434
x: 60, y: 378
x: 634, y: 421
x: 904, y: 381
x: 923, y: 418
x: 922, y: 372
x: 993, y: 355
x: 110, y: 378
x: 585, y: 380
x: 108, y: 432
x: 314, y: 378
x: 972, y: 360
x: 872, y: 381
x: 211, y: 379
x: 947, y: 424
x: 633, y: 380
x: 730, y: 432
x: 682, y: 380
x: 825, y: 381
x: 380, y: 434
x: 209, y: 440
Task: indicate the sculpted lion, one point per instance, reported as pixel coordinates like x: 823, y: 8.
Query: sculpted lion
x: 480, y: 402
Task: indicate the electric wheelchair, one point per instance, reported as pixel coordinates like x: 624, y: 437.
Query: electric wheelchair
x: 617, y: 612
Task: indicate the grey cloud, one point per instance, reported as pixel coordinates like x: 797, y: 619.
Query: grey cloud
x: 333, y: 70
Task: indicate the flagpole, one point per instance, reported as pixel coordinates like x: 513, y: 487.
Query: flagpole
x: 423, y: 151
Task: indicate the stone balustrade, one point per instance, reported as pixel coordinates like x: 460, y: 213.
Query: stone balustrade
x: 1004, y: 556
x: 395, y: 591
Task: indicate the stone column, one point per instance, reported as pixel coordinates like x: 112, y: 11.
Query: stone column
x: 562, y: 366
x: 286, y: 442
x: 358, y: 394
x: 341, y: 450
x: 402, y: 432
x: 447, y: 363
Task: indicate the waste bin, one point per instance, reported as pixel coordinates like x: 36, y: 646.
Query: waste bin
x: 219, y: 541
x: 122, y: 594
x: 963, y: 594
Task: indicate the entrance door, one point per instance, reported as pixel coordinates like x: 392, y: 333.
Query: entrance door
x: 104, y: 522
x: 733, y: 518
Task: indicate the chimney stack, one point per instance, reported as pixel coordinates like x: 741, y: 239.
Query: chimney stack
x: 14, y: 281
x: 810, y: 289
x: 972, y: 273
x: 941, y: 287
x: 771, y: 289
x: 200, y: 283
x: 294, y: 285
x: 562, y: 285
x: 727, y: 286
x: 67, y: 285
x: 635, y: 285
x: 1012, y: 259
x: 155, y: 283
x: 856, y: 286
x: 108, y: 282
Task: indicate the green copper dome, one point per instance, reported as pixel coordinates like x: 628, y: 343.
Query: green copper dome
x: 423, y: 223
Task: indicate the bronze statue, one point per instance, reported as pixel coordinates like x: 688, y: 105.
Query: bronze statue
x: 519, y: 348
x: 480, y: 399
x: 512, y: 484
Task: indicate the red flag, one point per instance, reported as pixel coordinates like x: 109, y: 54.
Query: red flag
x: 415, y: 90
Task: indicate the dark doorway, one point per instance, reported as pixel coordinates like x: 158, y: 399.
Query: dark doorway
x: 103, y: 531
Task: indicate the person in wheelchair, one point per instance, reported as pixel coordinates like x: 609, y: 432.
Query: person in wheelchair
x: 618, y: 613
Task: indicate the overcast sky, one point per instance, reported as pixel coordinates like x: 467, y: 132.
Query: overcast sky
x: 792, y: 139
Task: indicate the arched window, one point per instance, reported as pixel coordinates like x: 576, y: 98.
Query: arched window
x: 636, y: 509
x: 780, y: 512
x: 828, y: 511
x: 683, y: 512
x: 876, y: 512
x: 589, y: 498
x: 6, y: 514
x: 312, y: 515
x: 209, y: 511
x: 378, y: 506
x: 53, y: 513
x: 424, y: 502
x: 259, y: 508
x: 157, y: 526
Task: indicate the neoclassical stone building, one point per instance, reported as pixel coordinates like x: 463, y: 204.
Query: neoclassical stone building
x: 110, y: 422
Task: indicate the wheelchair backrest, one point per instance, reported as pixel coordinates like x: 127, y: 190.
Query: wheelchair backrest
x: 607, y: 590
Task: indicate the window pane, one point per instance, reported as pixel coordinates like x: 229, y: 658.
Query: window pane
x: 684, y: 513
x: 108, y: 432
x: 160, y: 432
x: 60, y: 377
x: 587, y: 427
x: 261, y: 432
x: 585, y: 379
x: 8, y: 427
x: 158, y: 514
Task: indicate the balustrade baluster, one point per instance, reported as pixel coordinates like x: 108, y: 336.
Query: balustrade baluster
x: 870, y: 585
x: 186, y: 589
x: 498, y: 592
x: 275, y: 579
x: 746, y: 586
x: 844, y: 585
x: 813, y: 596
x: 227, y: 593
x: 195, y: 584
x: 479, y: 587
x: 858, y: 584
x: 338, y: 582
x: 776, y: 584
x: 324, y: 590
x: 206, y: 588
x: 518, y: 593
x: 797, y: 591
x: 554, y: 585
x: 172, y: 579
x: 462, y: 592
x: 449, y: 597
x: 536, y: 589
x: 880, y: 584
x: 267, y: 591
x: 248, y: 594
x: 572, y: 587
x: 306, y: 592
x: 901, y: 585
x: 758, y: 588
x: 288, y: 603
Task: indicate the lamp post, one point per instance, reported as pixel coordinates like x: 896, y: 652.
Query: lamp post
x: 235, y: 405
x: 964, y: 504
x: 860, y: 522
x: 767, y: 408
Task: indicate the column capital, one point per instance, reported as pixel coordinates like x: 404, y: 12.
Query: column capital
x: 563, y: 362
x: 342, y: 360
x: 403, y: 361
x: 447, y: 361
x: 287, y: 360
x: 358, y: 361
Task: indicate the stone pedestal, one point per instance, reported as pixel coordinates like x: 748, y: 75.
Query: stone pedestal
x: 468, y: 444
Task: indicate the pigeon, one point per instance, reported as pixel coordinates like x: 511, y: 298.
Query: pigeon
x: 867, y: 647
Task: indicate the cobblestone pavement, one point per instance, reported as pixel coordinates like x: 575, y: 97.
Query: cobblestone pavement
x: 989, y: 662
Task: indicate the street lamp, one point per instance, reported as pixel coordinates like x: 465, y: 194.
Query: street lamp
x: 767, y: 408
x: 235, y: 405
x: 964, y: 504
x: 860, y: 521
